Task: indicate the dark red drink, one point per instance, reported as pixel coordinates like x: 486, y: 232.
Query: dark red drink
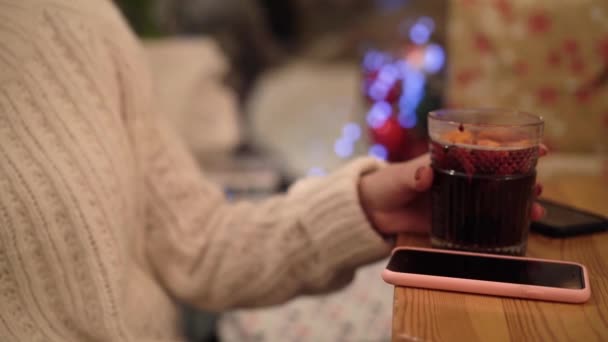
x: 484, y: 162
x: 481, y: 197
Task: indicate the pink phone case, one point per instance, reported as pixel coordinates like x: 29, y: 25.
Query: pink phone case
x: 489, y: 287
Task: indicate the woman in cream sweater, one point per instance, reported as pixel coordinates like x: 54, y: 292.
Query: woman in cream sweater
x: 105, y: 221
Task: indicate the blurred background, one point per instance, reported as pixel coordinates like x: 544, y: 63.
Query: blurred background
x: 304, y: 85
x: 266, y: 91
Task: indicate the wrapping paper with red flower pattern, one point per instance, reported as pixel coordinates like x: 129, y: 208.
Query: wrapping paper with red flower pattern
x: 547, y: 57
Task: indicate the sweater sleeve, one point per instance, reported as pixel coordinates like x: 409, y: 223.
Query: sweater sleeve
x: 216, y: 255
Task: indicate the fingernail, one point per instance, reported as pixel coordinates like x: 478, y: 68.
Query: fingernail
x: 418, y: 173
x: 538, y: 189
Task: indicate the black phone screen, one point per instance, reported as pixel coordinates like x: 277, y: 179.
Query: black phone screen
x: 518, y: 271
x: 560, y: 216
x: 564, y: 221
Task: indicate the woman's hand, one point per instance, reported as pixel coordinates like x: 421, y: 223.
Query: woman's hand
x: 396, y: 198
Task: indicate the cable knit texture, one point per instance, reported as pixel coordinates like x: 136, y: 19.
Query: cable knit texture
x: 106, y: 223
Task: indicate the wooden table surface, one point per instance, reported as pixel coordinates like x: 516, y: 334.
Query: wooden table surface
x: 427, y: 315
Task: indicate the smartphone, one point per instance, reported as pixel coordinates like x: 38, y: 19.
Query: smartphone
x: 562, y: 221
x: 488, y: 274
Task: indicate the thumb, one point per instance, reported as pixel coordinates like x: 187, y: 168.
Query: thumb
x: 396, y: 185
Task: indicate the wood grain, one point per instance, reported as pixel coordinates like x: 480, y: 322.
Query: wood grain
x: 426, y: 315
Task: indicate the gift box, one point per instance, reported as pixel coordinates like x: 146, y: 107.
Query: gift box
x: 546, y: 57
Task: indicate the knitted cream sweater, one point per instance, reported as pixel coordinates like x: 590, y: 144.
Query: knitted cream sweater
x: 106, y: 222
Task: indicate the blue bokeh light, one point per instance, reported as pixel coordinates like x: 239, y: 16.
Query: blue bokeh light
x: 421, y: 31
x: 434, y: 58
x: 344, y: 148
x: 378, y: 151
x: 419, y: 34
x: 374, y: 60
x: 316, y: 172
x: 387, y: 77
x: 388, y: 74
x: 351, y: 131
x: 378, y: 114
x: 428, y: 22
x: 407, y: 120
x: 413, y: 92
x: 379, y: 90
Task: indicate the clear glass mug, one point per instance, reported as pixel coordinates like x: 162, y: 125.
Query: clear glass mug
x: 484, y: 164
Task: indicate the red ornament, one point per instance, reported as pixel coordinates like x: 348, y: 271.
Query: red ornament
x: 394, y: 93
x: 415, y: 147
x: 370, y: 75
x: 392, y: 136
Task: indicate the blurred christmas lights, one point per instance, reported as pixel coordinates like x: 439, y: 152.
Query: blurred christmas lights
x: 434, y: 58
x: 344, y: 148
x: 316, y: 172
x: 378, y: 151
x: 378, y: 114
x: 394, y: 86
x: 351, y: 131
